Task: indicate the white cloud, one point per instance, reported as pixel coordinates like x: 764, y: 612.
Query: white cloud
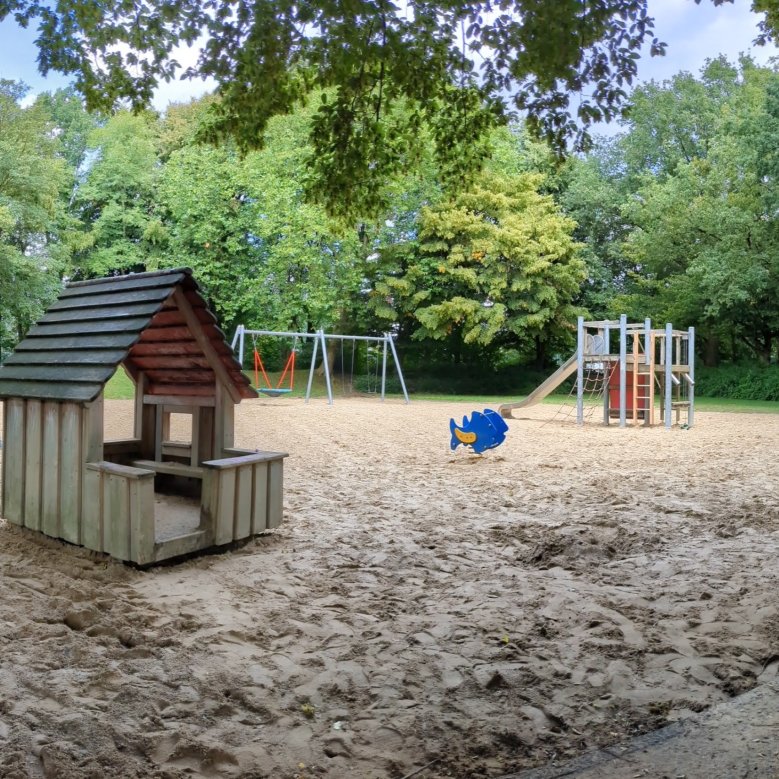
x: 178, y: 91
x: 695, y: 33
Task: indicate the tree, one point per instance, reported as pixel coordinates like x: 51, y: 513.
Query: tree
x: 675, y: 122
x: 459, y: 66
x: 116, y: 201
x: 706, y: 237
x: 32, y: 179
x: 495, y: 265
x: 73, y: 125
x: 267, y: 258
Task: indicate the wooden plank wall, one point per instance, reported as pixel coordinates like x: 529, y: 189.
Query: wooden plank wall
x: 242, y: 496
x: 55, y: 481
x: 43, y: 465
x: 49, y: 487
x: 119, y: 517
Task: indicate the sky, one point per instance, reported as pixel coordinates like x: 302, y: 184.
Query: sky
x: 693, y: 34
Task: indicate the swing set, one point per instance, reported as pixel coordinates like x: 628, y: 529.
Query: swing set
x: 259, y: 367
x: 380, y: 348
x: 371, y: 369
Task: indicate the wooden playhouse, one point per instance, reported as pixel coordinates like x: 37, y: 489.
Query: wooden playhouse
x: 60, y: 477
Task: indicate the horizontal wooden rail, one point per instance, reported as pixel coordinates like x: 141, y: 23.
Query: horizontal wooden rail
x: 170, y: 468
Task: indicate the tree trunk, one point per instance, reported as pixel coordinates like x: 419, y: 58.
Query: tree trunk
x: 711, y: 351
x: 332, y: 350
x: 333, y: 347
x: 540, y: 358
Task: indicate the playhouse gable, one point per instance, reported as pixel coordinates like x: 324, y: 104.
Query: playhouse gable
x: 156, y: 324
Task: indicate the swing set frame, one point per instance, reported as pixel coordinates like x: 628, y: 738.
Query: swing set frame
x: 320, y: 343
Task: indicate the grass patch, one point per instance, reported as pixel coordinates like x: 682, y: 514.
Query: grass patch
x: 121, y: 387
x: 739, y: 406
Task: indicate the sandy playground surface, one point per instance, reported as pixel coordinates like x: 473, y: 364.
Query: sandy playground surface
x: 418, y: 608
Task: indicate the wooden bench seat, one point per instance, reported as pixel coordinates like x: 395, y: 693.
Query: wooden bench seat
x: 170, y: 468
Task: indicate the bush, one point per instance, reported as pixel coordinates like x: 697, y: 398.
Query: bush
x: 473, y: 379
x: 738, y: 382
x: 370, y: 383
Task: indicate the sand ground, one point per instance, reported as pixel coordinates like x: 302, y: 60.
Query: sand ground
x: 474, y: 616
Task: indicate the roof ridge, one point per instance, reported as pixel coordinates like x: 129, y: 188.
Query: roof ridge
x: 144, y: 275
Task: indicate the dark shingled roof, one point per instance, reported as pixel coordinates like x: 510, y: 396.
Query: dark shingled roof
x: 94, y: 326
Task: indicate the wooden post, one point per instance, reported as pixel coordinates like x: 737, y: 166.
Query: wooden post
x: 225, y: 507
x: 275, y: 492
x: 159, y: 422
x: 74, y: 484
x: 116, y: 516
x: 142, y: 533
x: 651, y: 380
x: 260, y: 496
x: 205, y: 432
x: 91, y: 519
x: 242, y: 525
x: 14, y: 457
x: 33, y: 432
x: 224, y: 422
x: 140, y: 391
x: 50, y: 512
x: 92, y: 421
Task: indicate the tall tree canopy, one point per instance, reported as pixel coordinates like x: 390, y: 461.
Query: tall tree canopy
x: 459, y: 65
x: 33, y: 182
x: 494, y: 266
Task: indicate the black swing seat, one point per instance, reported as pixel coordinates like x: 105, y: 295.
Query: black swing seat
x: 273, y: 392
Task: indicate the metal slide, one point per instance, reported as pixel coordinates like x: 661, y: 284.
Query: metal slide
x: 543, y: 389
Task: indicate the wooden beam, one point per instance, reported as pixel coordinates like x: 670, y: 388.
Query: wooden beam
x: 181, y: 390
x: 179, y: 400
x: 164, y: 349
x: 196, y: 328
x: 168, y: 362
x: 170, y: 468
x: 247, y: 459
x: 154, y: 333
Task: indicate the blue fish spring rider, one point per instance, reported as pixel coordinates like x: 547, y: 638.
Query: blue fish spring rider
x: 484, y: 430
x: 289, y: 368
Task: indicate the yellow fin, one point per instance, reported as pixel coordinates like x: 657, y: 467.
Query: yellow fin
x: 464, y: 438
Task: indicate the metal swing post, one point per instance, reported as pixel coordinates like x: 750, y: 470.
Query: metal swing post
x: 321, y: 335
x: 384, y: 366
x: 580, y: 349
x: 238, y: 338
x: 397, y: 365
x: 311, y: 369
x: 623, y: 360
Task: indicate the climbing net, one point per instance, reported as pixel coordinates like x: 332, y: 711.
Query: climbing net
x: 595, y: 382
